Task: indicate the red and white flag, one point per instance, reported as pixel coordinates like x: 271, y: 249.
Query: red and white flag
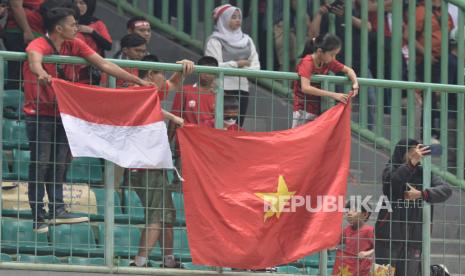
x: 124, y: 126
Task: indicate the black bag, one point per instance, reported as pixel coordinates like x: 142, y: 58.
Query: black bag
x: 439, y: 270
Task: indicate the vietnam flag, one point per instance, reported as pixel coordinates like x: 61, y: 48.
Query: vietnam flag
x: 124, y: 126
x: 245, y: 193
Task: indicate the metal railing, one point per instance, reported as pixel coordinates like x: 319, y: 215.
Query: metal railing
x: 400, y: 127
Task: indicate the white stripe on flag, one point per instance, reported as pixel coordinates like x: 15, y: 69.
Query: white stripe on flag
x: 144, y: 146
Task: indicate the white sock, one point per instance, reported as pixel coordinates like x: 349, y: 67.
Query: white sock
x: 140, y: 261
x: 169, y: 261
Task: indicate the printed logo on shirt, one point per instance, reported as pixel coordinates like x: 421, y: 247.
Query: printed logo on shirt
x: 192, y: 103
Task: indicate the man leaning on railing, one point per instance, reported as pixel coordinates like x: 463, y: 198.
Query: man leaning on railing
x: 50, y: 152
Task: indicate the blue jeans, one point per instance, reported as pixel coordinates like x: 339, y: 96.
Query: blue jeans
x: 50, y: 156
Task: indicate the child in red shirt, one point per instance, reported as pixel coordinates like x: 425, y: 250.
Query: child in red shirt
x: 318, y: 57
x: 356, y: 257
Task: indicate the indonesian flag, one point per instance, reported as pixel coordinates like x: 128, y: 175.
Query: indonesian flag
x: 124, y: 126
x: 251, y: 199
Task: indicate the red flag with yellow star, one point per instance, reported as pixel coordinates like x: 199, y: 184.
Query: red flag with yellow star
x: 260, y: 199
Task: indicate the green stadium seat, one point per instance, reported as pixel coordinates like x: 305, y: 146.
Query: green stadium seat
x: 5, y: 257
x: 178, y: 201
x: 74, y: 239
x: 126, y: 239
x: 312, y: 271
x: 287, y: 269
x: 6, y: 173
x: 13, y: 101
x: 133, y: 207
x: 85, y: 170
x: 17, y: 236
x: 15, y: 135
x: 181, y: 246
x: 22, y: 258
x: 85, y: 261
x: 21, y: 159
x: 100, y: 199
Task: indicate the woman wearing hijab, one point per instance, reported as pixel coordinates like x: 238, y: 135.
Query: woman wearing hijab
x: 95, y: 34
x: 399, y: 233
x: 233, y: 49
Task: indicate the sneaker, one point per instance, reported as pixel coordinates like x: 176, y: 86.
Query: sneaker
x: 147, y: 264
x: 64, y: 217
x: 40, y: 227
x: 170, y: 262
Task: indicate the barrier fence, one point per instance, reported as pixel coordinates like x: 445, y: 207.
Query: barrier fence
x: 108, y: 196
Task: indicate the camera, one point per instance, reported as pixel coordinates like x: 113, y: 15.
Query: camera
x: 435, y: 149
x: 336, y: 4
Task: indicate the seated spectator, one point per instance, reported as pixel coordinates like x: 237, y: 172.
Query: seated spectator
x: 357, y: 244
x: 50, y: 152
x: 139, y: 25
x: 94, y: 33
x: 196, y: 102
x: 24, y: 23
x: 233, y: 49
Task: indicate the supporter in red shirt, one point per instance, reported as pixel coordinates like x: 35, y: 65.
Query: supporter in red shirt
x: 48, y: 144
x: 318, y: 57
x: 139, y: 25
x: 23, y: 24
x: 356, y: 256
x: 230, y: 116
x: 196, y: 103
x: 94, y: 33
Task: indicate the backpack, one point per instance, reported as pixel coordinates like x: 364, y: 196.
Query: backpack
x: 439, y: 270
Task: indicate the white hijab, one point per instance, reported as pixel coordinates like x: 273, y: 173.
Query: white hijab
x: 222, y: 31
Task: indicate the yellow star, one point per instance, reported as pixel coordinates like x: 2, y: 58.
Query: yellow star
x: 276, y: 201
x: 344, y: 271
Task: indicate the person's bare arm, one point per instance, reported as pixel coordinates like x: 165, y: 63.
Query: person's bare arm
x: 311, y: 90
x: 176, y: 79
x: 115, y: 71
x: 20, y: 18
x: 353, y: 78
x: 35, y: 65
x: 357, y: 23
x: 315, y: 23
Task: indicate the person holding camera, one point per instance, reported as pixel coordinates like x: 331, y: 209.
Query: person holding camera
x: 399, y: 233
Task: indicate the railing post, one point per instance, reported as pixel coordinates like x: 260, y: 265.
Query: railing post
x: 460, y: 98
x: 269, y: 35
x: 207, y: 19
x: 426, y: 163
x: 194, y: 18
x: 301, y: 30
x: 396, y: 70
x: 109, y: 218
x: 444, y: 79
x: 180, y: 15
x: 379, y: 126
x: 286, y: 29
x: 219, y: 101
x: 2, y: 85
x: 411, y: 110
x: 348, y: 33
x: 363, y: 100
x: 165, y: 5
x: 254, y: 16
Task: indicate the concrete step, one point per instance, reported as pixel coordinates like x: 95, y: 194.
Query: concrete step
x: 448, y: 246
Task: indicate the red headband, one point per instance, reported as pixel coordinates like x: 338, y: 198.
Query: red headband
x: 220, y: 10
x: 141, y: 24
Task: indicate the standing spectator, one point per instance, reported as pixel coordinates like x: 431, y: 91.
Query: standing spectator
x: 50, y: 153
x: 356, y: 254
x: 278, y: 31
x: 95, y: 34
x: 24, y: 23
x: 133, y: 47
x: 233, y: 49
x: 399, y: 233
x: 152, y: 188
x: 318, y: 57
x: 196, y: 102
x: 139, y: 25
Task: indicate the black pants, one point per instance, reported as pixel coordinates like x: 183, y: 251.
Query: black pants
x: 405, y: 258
x: 14, y: 42
x: 50, y: 156
x: 242, y: 98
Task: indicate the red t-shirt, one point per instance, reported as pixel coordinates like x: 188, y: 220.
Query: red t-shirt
x: 194, y: 105
x: 119, y: 82
x: 41, y: 98
x: 355, y: 241
x: 34, y: 19
x: 306, y: 69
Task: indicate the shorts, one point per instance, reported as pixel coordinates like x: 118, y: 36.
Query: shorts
x: 152, y: 188
x: 301, y: 117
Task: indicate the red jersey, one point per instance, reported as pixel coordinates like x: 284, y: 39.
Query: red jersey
x: 194, y: 105
x: 119, y: 82
x: 355, y: 241
x: 34, y: 19
x: 101, y: 29
x: 306, y: 69
x: 41, y: 98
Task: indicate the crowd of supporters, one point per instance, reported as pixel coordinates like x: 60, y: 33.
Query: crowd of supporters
x: 69, y: 27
